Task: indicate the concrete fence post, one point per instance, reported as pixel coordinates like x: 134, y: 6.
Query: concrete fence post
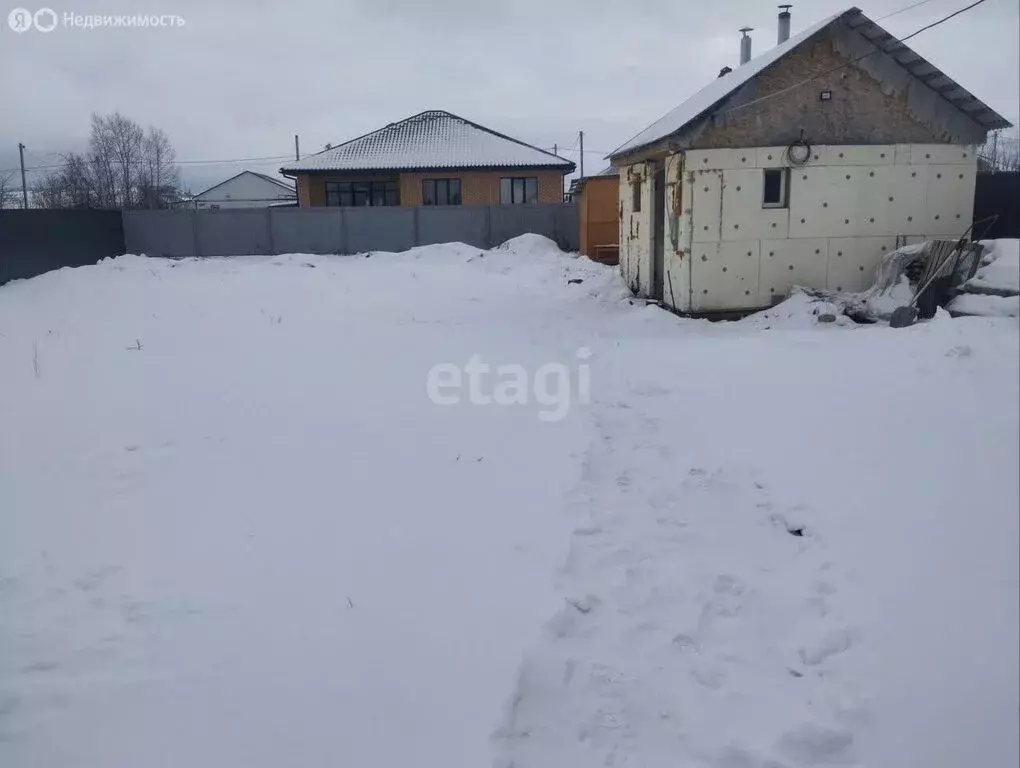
x: 415, y: 238
x: 269, y: 232
x: 193, y: 215
x: 488, y: 227
x: 343, y: 231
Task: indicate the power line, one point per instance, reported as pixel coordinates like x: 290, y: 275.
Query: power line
x: 903, y: 10
x: 587, y: 151
x: 942, y: 20
x: 276, y: 158
x: 839, y: 67
x: 848, y: 63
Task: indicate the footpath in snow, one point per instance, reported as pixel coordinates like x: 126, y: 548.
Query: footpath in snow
x: 239, y: 533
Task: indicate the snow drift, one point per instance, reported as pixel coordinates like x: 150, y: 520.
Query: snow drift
x: 236, y: 531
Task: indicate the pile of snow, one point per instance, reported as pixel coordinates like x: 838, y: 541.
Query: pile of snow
x: 530, y: 245
x: 881, y: 304
x: 1000, y: 272
x: 237, y: 531
x: 800, y: 310
x: 985, y: 305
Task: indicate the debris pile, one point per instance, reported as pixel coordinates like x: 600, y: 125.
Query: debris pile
x: 913, y: 282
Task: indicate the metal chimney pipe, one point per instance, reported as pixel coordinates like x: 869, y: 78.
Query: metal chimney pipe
x: 745, y: 45
x: 784, y: 23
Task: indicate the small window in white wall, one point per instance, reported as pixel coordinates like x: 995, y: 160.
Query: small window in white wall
x: 635, y: 191
x: 774, y: 187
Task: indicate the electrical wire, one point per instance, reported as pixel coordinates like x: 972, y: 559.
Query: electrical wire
x: 789, y: 88
x: 276, y: 158
x: 837, y: 68
x: 903, y: 10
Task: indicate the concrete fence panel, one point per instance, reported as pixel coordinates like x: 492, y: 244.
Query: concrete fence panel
x: 568, y: 227
x: 306, y: 230
x: 378, y: 229
x: 34, y: 242
x: 447, y: 224
x: 512, y: 220
x: 160, y: 233
x: 237, y: 232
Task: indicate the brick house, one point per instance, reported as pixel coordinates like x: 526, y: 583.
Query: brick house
x: 803, y: 166
x: 432, y: 158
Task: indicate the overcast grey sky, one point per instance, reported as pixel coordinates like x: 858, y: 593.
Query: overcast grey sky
x: 241, y: 77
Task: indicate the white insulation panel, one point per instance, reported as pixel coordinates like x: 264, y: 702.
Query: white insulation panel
x: 636, y: 228
x: 846, y: 207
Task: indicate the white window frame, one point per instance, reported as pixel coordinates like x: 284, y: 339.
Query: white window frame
x: 784, y: 188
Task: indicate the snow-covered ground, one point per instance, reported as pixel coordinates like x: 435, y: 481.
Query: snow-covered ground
x: 235, y: 531
x: 1000, y: 270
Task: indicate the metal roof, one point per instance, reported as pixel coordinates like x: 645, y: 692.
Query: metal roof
x: 264, y: 177
x: 704, y: 101
x: 432, y: 139
x: 926, y: 72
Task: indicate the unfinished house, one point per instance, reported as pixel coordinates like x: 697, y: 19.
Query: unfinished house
x: 803, y: 166
x: 432, y: 158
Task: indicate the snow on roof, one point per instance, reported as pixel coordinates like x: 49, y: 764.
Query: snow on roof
x: 717, y: 90
x: 264, y: 177
x: 281, y: 182
x: 433, y: 139
x: 724, y: 86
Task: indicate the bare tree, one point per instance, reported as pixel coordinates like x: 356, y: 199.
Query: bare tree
x: 160, y: 181
x: 1000, y: 153
x: 10, y: 194
x: 124, y: 167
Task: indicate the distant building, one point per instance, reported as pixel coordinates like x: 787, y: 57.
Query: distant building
x: 803, y: 166
x: 248, y: 189
x: 598, y: 199
x: 432, y: 158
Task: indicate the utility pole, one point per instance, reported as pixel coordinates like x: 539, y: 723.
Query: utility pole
x: 581, y: 138
x: 297, y: 148
x: 24, y: 189
x: 556, y: 149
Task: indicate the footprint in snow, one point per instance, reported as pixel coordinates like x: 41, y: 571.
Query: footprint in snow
x: 830, y: 644
x: 813, y: 744
x: 649, y: 389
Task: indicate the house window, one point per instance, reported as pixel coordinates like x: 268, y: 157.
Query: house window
x: 440, y: 192
x: 774, y: 188
x: 518, y: 190
x: 635, y: 197
x: 362, y: 193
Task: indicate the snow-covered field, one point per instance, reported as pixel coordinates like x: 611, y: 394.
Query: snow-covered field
x: 236, y: 531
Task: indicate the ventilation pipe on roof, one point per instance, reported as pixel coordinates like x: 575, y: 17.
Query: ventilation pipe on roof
x: 745, y: 45
x: 784, y: 23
